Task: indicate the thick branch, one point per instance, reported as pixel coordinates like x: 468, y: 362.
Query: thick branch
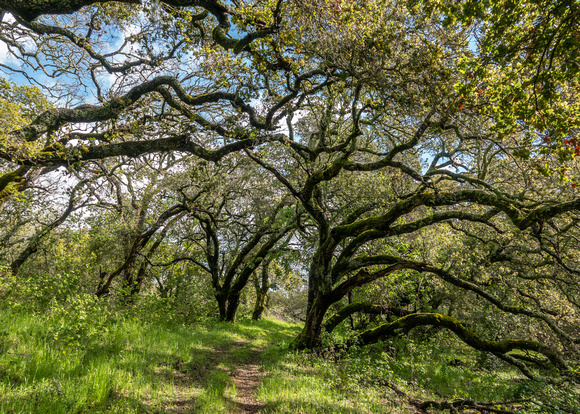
x: 407, y: 323
x: 368, y: 308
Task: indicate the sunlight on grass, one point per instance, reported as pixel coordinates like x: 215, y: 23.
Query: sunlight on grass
x: 131, y: 366
x: 137, y: 366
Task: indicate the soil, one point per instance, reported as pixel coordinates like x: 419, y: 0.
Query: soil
x: 247, y: 377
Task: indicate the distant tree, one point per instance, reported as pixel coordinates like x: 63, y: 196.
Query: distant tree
x: 262, y: 286
x: 133, y: 213
x: 240, y: 222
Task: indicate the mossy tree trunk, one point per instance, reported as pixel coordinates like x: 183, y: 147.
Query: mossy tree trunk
x: 262, y: 286
x: 320, y: 296
x: 222, y: 302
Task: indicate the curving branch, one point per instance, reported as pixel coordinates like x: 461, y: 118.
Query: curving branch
x: 53, y: 119
x: 138, y: 244
x: 471, y: 338
x: 32, y: 9
x: 515, y: 310
x: 521, y: 216
x: 363, y: 277
x: 388, y: 159
x: 34, y: 242
x: 368, y: 308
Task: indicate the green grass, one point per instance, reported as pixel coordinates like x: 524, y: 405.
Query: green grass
x: 126, y: 365
x: 66, y: 361
x: 358, y: 381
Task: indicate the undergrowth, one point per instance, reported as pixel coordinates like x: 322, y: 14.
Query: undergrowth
x: 364, y: 380
x: 84, y: 356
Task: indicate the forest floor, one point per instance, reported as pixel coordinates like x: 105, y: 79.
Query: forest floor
x: 244, y: 372
x: 247, y: 377
x: 61, y: 362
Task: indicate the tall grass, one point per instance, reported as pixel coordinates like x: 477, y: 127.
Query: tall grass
x: 61, y: 363
x: 86, y: 358
x: 362, y: 380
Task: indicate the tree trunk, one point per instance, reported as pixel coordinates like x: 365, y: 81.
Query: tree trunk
x: 319, y: 298
x: 129, y: 281
x: 222, y: 301
x: 260, y: 305
x: 232, y: 307
x: 309, y: 337
x: 138, y: 283
x: 262, y: 288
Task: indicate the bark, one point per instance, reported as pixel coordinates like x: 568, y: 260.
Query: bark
x: 326, y: 295
x: 34, y: 8
x: 457, y: 404
x: 520, y: 215
x: 320, y: 296
x: 471, y: 338
x: 355, y: 307
x: 232, y: 307
x: 260, y: 305
x: 262, y: 287
x: 222, y: 302
x: 309, y: 337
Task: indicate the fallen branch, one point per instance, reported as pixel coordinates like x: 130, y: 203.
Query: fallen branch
x: 461, y: 405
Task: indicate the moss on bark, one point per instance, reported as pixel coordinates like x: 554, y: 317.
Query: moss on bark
x: 471, y: 338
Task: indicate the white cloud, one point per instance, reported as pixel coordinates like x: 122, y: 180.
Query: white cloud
x: 6, y: 57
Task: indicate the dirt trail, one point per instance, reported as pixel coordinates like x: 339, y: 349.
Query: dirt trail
x: 244, y: 373
x: 247, y: 377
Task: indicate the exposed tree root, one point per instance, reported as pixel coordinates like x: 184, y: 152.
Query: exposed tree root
x: 498, y: 348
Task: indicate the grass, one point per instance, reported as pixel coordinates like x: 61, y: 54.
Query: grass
x: 67, y: 361
x: 126, y: 365
x: 358, y: 382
